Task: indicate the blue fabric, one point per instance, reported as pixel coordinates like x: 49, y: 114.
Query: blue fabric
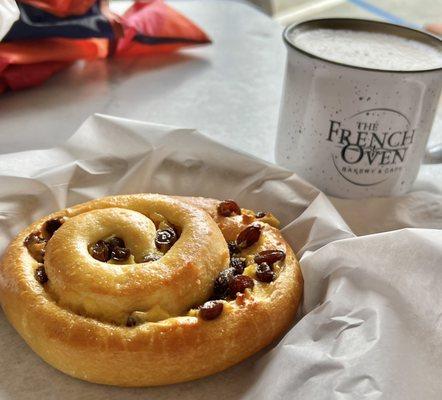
x: 37, y: 24
x: 150, y: 40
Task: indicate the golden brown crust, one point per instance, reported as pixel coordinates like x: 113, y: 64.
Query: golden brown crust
x: 175, y: 349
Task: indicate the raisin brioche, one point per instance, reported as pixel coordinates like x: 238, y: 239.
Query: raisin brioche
x: 148, y: 289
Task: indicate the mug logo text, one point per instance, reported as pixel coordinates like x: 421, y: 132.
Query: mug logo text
x: 370, y: 145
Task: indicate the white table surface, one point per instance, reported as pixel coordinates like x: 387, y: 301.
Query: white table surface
x: 229, y: 90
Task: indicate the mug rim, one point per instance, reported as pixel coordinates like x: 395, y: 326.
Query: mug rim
x: 290, y: 28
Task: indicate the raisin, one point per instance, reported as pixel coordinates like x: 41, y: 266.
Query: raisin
x: 120, y: 253
x: 240, y: 283
x: 40, y: 275
x: 260, y: 214
x: 40, y: 255
x: 115, y: 241
x: 227, y: 208
x: 238, y: 265
x: 131, y: 321
x: 233, y: 248
x: 211, y: 309
x: 248, y: 236
x: 222, y: 283
x: 165, y: 238
x: 269, y: 256
x: 52, y: 225
x: 36, y: 246
x: 33, y: 238
x: 149, y: 257
x: 264, y: 273
x: 101, y: 251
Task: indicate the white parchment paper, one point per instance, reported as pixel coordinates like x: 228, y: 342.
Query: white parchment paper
x: 371, y: 323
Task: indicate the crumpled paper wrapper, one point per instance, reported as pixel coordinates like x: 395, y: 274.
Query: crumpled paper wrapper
x: 370, y: 326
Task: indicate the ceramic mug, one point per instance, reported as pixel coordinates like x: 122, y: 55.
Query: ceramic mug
x: 355, y: 131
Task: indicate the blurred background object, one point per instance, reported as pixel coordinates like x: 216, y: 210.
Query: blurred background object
x: 42, y: 37
x: 414, y: 13
x: 9, y: 14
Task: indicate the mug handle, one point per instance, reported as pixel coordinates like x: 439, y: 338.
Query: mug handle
x: 433, y: 154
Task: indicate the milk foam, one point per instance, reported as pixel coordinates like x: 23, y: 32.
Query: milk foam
x: 368, y: 49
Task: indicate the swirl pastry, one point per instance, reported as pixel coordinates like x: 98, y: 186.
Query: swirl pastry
x: 141, y: 290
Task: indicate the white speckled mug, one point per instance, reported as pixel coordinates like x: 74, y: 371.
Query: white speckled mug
x: 347, y: 125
